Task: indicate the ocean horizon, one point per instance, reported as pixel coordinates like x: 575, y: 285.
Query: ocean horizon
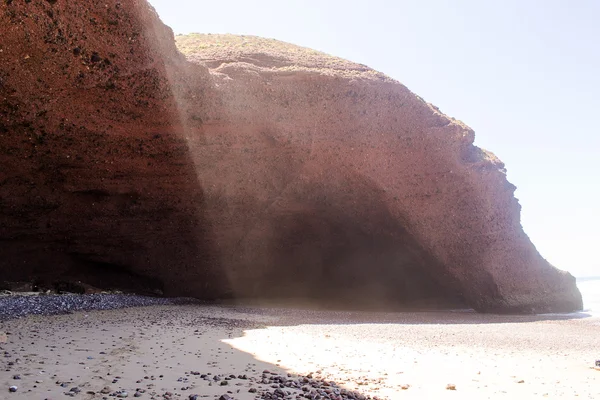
x: 590, y: 290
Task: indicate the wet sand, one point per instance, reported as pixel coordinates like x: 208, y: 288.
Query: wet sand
x: 175, y: 352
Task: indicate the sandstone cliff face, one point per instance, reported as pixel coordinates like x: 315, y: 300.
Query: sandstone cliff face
x: 248, y: 168
x: 96, y: 183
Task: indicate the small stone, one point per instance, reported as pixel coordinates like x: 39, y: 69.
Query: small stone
x: 252, y: 390
x: 193, y: 397
x: 17, y: 377
x: 404, y: 387
x: 224, y: 383
x: 13, y: 389
x: 451, y: 386
x: 95, y: 57
x: 225, y: 397
x: 122, y: 394
x: 521, y: 381
x: 105, y: 390
x: 137, y: 394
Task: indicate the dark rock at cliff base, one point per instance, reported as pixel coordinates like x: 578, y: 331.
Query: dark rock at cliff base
x: 16, y: 286
x: 247, y: 168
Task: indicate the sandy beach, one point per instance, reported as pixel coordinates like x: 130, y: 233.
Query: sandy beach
x: 182, y: 351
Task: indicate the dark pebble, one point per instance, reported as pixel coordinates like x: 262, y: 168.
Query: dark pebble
x: 95, y: 57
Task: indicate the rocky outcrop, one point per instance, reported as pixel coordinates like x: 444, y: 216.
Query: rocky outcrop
x: 96, y: 181
x: 244, y: 168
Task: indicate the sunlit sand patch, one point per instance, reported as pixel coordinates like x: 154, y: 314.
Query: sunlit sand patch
x: 427, y: 360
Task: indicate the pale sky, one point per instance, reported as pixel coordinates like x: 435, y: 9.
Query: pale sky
x: 524, y: 74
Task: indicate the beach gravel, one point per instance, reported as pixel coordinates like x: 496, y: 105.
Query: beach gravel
x: 17, y: 306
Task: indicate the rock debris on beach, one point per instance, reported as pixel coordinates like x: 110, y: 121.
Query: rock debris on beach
x: 40, y: 304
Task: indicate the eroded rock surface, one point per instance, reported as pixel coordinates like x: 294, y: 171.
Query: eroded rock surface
x: 245, y: 167
x: 96, y: 182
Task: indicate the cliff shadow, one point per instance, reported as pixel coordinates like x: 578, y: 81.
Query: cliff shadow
x: 336, y: 244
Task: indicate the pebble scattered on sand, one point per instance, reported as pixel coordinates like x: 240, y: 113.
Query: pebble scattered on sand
x: 192, y: 352
x: 119, y: 339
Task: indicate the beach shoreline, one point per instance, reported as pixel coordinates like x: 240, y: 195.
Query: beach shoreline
x: 179, y: 349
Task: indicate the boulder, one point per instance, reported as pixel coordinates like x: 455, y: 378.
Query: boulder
x: 246, y: 168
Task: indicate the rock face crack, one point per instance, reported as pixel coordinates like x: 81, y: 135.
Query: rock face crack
x: 306, y: 177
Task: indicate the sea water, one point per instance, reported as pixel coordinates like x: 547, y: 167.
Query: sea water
x: 590, y: 291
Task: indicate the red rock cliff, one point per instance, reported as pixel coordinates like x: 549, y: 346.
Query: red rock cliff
x: 246, y: 168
